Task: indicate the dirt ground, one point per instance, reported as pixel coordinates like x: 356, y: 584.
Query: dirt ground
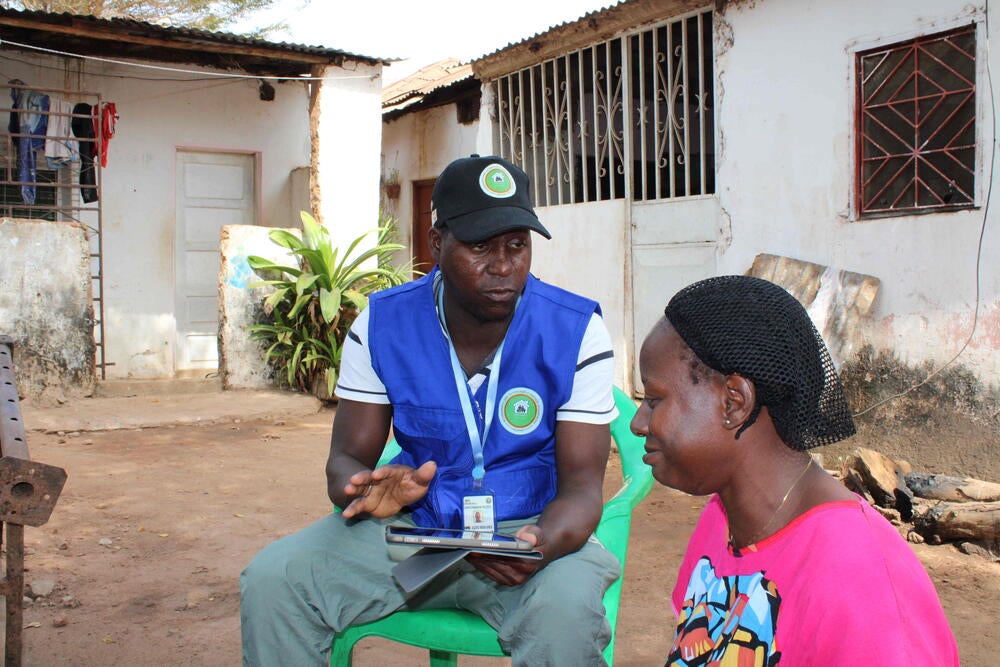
x: 145, y: 547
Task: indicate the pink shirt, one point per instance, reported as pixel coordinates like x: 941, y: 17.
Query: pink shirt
x: 836, y: 586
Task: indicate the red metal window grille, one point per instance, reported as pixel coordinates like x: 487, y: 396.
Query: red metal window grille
x: 916, y: 125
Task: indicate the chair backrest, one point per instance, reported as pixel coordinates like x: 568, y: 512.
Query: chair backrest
x: 389, y: 453
x: 448, y: 632
x: 616, y: 520
x: 637, y: 476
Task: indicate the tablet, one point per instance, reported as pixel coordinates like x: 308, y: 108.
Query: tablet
x: 447, y: 538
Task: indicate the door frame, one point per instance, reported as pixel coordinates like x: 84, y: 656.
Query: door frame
x: 256, y: 199
x: 419, y: 250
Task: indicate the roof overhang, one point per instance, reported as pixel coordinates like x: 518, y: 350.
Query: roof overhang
x: 465, y: 89
x: 592, y: 28
x: 137, y: 40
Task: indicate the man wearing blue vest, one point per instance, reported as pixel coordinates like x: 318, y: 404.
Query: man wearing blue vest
x: 497, y: 387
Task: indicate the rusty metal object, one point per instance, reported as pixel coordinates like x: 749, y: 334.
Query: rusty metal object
x: 28, y: 490
x: 12, y: 438
x: 28, y: 493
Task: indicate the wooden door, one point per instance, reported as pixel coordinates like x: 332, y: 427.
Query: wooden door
x: 419, y: 246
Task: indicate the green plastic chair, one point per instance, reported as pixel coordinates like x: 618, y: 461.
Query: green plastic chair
x: 448, y: 633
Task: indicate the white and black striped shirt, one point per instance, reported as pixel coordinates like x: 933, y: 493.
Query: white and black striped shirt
x: 591, y: 401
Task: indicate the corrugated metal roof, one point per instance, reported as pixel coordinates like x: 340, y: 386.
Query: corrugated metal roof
x: 187, y: 34
x: 557, y: 26
x: 426, y: 80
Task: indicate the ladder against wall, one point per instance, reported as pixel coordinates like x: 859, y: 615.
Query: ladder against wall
x: 59, y: 195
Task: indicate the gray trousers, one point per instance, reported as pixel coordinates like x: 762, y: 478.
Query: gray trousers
x: 300, y: 590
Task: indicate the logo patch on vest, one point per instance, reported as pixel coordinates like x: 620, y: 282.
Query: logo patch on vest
x: 497, y: 182
x: 521, y: 410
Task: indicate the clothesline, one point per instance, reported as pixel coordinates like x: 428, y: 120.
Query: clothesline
x: 65, y: 132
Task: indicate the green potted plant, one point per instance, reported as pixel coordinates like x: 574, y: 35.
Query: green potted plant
x: 391, y: 185
x: 314, y: 302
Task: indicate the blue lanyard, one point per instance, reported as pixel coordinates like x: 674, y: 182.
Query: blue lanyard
x: 465, y: 398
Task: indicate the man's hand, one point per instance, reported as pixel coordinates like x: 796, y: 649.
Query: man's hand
x: 386, y: 490
x: 512, y: 571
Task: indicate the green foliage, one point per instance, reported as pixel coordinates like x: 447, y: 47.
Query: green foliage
x: 202, y: 14
x: 313, y: 304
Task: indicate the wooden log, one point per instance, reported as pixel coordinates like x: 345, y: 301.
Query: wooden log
x: 954, y: 489
x: 882, y: 479
x: 961, y: 521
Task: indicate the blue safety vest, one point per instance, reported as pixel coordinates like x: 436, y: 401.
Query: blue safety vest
x: 410, y: 355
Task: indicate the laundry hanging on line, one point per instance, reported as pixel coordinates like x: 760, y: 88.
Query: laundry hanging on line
x: 96, y: 131
x: 30, y: 120
x: 60, y: 148
x: 64, y: 132
x: 83, y: 128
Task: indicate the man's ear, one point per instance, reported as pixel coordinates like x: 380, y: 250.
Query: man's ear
x: 741, y: 396
x: 434, y: 241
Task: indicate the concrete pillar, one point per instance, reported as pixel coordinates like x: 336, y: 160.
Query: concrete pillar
x: 347, y: 140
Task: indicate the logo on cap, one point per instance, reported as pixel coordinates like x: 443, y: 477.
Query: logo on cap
x: 497, y: 182
x: 521, y: 410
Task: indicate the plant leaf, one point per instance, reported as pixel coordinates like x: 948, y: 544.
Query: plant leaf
x: 313, y: 231
x: 331, y: 380
x: 304, y: 282
x: 357, y: 298
x: 285, y: 239
x: 301, y: 301
x: 329, y: 303
x: 259, y: 264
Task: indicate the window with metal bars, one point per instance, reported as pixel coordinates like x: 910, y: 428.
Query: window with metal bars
x: 916, y: 139
x: 11, y: 201
x: 632, y: 116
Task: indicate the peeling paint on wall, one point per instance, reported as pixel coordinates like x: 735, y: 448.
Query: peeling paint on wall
x: 46, y: 308
x: 241, y: 360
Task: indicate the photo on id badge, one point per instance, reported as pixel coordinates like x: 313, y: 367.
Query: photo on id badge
x: 477, y: 511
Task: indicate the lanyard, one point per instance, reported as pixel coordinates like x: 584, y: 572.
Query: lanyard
x: 476, y: 437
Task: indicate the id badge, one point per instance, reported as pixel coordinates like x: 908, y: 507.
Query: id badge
x: 478, y: 512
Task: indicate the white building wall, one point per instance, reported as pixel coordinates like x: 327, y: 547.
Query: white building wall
x: 785, y: 170
x: 588, y: 243
x: 419, y: 146
x: 205, y: 113
x: 585, y: 255
x: 349, y: 134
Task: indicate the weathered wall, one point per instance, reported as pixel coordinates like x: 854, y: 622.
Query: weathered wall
x: 163, y: 112
x: 241, y: 360
x: 419, y: 146
x: 838, y: 302
x: 785, y: 171
x: 45, y: 307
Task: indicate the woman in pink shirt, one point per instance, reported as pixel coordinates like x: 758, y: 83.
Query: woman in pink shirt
x: 786, y: 566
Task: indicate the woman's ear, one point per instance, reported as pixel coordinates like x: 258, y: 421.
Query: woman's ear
x: 741, y: 397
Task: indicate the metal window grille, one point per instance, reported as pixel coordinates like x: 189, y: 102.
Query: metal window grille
x: 11, y: 204
x: 630, y: 117
x: 916, y: 138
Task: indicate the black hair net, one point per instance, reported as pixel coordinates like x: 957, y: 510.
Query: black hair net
x: 751, y: 327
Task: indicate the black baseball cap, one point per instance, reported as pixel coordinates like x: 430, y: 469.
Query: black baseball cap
x: 479, y: 197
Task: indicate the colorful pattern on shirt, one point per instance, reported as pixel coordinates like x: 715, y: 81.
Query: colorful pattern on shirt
x: 727, y: 620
